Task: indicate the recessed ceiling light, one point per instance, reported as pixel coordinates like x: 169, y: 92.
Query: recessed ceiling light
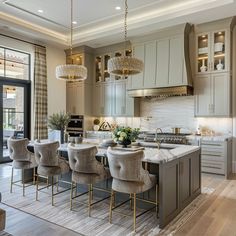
x: 74, y: 22
x: 40, y: 11
x: 118, y: 8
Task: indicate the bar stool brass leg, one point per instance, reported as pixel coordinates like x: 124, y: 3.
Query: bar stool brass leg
x: 52, y: 190
x: 12, y: 173
x: 23, y: 181
x: 37, y: 187
x: 134, y: 212
x: 34, y: 174
x: 71, y: 195
x: 111, y: 204
x: 130, y: 202
x: 58, y: 183
x: 76, y: 190
x: 89, y: 200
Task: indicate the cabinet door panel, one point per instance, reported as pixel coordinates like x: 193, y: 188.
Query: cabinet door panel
x: 79, y: 102
x: 150, y: 65
x: 98, y: 104
x: 108, y: 98
x: 119, y: 98
x: 176, y: 61
x: 162, y: 68
x: 221, y: 94
x: 202, y: 90
x: 137, y: 80
x: 185, y: 180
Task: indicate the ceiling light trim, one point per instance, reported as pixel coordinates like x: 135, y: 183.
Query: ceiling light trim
x: 34, y: 14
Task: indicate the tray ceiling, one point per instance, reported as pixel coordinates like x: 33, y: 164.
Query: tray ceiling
x: 100, y: 23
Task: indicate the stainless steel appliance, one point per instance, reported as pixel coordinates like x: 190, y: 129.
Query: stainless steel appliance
x: 75, y: 127
x: 180, y: 138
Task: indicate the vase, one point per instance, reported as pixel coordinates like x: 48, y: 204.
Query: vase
x: 96, y: 127
x: 219, y: 66
x: 62, y: 140
x: 125, y: 143
x: 203, y: 68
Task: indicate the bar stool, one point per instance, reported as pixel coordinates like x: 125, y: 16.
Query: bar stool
x: 23, y: 159
x: 86, y: 170
x: 130, y: 177
x: 50, y: 165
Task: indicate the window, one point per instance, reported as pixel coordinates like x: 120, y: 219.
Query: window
x: 14, y: 64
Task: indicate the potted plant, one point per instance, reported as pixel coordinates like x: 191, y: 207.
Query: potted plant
x: 59, y: 121
x: 96, y: 123
x: 125, y: 135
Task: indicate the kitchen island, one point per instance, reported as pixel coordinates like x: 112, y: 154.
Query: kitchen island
x: 178, y: 170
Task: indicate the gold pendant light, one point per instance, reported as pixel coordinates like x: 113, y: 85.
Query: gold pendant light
x: 125, y: 65
x: 70, y: 72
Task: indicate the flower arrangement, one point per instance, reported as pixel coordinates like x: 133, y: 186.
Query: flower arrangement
x: 125, y: 135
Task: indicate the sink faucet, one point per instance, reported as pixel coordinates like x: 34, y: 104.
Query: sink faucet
x: 158, y: 142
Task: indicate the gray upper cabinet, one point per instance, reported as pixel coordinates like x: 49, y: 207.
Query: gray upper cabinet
x: 150, y: 65
x: 162, y: 66
x: 176, y: 61
x: 166, y: 60
x: 137, y: 80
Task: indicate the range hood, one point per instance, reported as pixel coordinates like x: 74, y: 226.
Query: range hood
x: 162, y: 92
x: 172, y: 74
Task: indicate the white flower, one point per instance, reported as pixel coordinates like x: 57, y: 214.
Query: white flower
x: 118, y: 133
x: 121, y: 138
x: 115, y: 139
x: 123, y: 134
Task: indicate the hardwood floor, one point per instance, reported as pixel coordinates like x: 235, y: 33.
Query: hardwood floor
x: 217, y: 215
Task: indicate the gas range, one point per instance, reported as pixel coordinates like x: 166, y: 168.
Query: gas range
x: 180, y: 138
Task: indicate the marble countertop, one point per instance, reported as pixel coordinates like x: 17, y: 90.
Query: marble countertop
x: 166, y: 153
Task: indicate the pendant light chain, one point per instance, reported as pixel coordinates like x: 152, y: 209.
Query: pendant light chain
x: 125, y: 23
x: 71, y: 27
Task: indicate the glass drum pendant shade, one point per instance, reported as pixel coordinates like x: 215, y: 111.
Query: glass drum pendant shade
x: 125, y: 66
x: 71, y: 72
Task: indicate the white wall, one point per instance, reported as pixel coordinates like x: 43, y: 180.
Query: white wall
x: 56, y: 88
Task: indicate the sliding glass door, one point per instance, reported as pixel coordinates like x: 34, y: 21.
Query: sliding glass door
x: 14, y: 97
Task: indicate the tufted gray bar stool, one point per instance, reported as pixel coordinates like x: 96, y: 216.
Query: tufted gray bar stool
x: 22, y: 159
x: 51, y: 165
x: 130, y: 177
x: 86, y: 170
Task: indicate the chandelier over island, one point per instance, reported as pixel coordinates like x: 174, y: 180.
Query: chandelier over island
x: 71, y: 72
x: 125, y: 65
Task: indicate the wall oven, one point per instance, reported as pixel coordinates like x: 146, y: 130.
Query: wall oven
x: 75, y: 126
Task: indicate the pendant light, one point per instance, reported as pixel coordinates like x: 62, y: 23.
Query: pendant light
x: 125, y: 65
x: 70, y: 72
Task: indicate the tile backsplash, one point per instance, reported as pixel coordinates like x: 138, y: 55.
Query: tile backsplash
x: 171, y: 112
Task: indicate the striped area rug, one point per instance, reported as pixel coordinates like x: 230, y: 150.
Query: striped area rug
x: 96, y: 225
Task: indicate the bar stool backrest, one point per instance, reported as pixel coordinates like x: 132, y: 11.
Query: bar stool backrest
x: 18, y: 149
x: 46, y: 153
x: 83, y: 159
x: 126, y: 165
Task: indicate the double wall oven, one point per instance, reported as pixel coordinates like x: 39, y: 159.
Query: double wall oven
x: 75, y: 127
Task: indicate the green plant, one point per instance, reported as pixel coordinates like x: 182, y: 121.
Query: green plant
x: 58, y: 121
x: 122, y: 134
x: 96, y: 122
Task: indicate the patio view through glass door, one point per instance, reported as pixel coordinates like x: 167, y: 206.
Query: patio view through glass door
x: 14, y: 97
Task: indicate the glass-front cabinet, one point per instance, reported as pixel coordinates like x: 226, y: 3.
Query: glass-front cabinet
x: 212, y: 52
x: 101, y: 63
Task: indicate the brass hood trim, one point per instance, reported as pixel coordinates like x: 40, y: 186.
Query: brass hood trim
x: 162, y: 92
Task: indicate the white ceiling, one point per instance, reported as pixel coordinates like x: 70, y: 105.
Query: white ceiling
x: 98, y: 21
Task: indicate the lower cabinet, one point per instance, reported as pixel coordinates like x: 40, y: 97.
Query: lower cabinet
x: 216, y: 157
x: 179, y: 183
x: 111, y: 99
